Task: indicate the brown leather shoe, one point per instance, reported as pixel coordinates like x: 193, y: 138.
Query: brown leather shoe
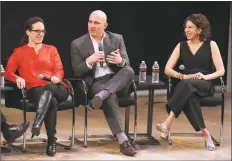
x: 127, y: 149
x: 13, y: 132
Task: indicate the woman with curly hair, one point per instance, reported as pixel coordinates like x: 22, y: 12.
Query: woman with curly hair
x: 198, y: 55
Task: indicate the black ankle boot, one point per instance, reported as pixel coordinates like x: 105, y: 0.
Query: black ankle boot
x: 42, y: 109
x: 50, y: 125
x: 12, y: 132
x: 51, y: 146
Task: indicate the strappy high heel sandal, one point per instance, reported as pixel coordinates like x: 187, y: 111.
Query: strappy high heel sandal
x: 210, y: 145
x: 164, y: 131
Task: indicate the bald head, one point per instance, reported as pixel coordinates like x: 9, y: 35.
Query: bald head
x: 97, y: 24
x: 100, y: 14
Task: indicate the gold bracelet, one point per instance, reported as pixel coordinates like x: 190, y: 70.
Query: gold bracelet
x: 182, y: 76
x: 178, y: 75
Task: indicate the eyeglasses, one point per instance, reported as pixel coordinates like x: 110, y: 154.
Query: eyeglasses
x: 38, y: 32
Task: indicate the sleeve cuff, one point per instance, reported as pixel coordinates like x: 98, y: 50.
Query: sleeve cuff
x: 122, y: 63
x: 88, y: 65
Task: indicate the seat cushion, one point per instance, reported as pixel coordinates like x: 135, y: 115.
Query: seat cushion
x: 211, y: 101
x: 125, y: 102
x: 65, y: 105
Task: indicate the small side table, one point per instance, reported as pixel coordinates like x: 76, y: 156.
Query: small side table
x: 148, y: 85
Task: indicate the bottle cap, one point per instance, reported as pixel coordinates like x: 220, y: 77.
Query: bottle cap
x: 2, y: 69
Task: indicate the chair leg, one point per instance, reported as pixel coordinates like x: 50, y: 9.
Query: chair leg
x: 24, y: 143
x: 218, y: 143
x: 135, y: 123
x: 135, y: 114
x: 127, y: 118
x: 85, y: 128
x: 221, y: 134
x: 24, y: 135
x: 73, y: 127
x: 222, y: 118
x: 169, y: 138
x: 73, y: 132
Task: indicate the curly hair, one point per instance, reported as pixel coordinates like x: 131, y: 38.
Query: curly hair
x: 28, y: 26
x: 202, y: 23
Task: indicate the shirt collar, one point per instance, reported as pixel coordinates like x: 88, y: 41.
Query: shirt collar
x: 101, y: 39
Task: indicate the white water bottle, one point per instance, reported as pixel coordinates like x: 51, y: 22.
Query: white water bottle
x: 142, y: 72
x: 2, y: 82
x: 155, y: 72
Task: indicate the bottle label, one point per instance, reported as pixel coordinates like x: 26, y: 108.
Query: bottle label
x: 155, y: 70
x: 142, y: 69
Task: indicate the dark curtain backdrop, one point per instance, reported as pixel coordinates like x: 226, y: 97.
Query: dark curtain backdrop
x: 151, y: 30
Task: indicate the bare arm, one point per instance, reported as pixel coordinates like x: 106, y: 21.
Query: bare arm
x: 217, y: 61
x: 169, y: 68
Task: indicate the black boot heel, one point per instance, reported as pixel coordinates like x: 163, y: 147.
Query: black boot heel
x: 35, y: 131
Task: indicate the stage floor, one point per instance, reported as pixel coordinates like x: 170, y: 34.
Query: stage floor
x: 183, y: 148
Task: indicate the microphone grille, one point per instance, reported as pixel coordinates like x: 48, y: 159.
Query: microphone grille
x: 100, y: 46
x: 181, y: 67
x: 40, y: 76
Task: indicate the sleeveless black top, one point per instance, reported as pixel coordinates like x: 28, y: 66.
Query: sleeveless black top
x: 200, y: 62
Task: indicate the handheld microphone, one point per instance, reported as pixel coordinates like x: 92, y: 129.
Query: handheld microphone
x: 100, y: 47
x: 182, y: 67
x: 185, y: 69
x: 42, y: 77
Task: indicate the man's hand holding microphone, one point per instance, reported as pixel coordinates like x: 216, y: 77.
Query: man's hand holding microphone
x: 96, y: 57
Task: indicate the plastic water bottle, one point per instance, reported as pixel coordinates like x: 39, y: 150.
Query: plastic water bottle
x: 142, y: 72
x: 2, y: 83
x: 155, y: 72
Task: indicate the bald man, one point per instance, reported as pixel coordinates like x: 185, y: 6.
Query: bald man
x: 100, y: 58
